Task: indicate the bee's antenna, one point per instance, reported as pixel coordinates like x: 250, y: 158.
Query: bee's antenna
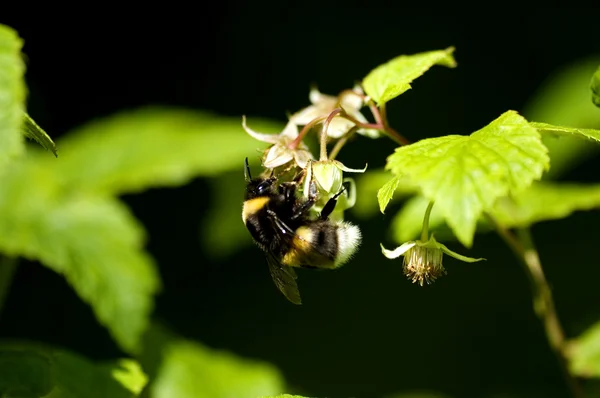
x: 247, y: 174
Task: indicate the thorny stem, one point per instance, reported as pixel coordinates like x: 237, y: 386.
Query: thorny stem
x: 324, y: 132
x: 425, y: 230
x: 543, y: 303
x: 341, y: 142
x: 294, y: 144
x: 8, y: 266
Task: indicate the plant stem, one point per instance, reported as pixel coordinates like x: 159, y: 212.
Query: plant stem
x: 543, y: 303
x: 341, y: 142
x: 425, y: 230
x: 8, y: 267
x: 304, y: 131
x: 333, y: 114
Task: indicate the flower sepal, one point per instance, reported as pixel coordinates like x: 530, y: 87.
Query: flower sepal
x: 423, y: 261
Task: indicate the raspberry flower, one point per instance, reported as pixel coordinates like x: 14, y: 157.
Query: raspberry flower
x: 280, y: 152
x: 351, y: 101
x: 423, y: 258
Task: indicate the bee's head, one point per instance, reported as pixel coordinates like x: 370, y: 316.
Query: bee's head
x: 258, y: 186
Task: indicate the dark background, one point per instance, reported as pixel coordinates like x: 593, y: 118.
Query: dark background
x: 363, y: 331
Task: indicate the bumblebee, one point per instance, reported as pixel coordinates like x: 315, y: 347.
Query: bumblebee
x: 281, y: 226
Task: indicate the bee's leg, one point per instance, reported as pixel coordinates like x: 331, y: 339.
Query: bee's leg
x: 306, y: 206
x: 330, y: 205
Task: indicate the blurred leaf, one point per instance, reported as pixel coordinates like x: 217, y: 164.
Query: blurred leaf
x: 181, y: 368
x: 223, y: 231
x: 546, y: 201
x: 595, y: 87
x: 31, y: 370
x: 32, y: 131
x: 152, y: 147
x: 94, y: 242
x: 25, y: 373
x: 584, y: 353
x: 130, y: 374
x: 591, y: 134
x: 541, y: 201
x: 465, y: 175
x: 564, y: 100
x: 12, y: 93
x: 408, y: 222
x: 393, y: 78
x: 368, y: 186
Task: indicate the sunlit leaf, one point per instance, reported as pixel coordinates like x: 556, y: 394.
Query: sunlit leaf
x: 584, y: 353
x: 95, y: 242
x: 393, y: 78
x: 186, y: 369
x: 595, y: 87
x: 28, y: 370
x: 151, y: 147
x: 546, y: 201
x: 12, y: 93
x: 32, y: 131
x: 564, y: 100
x: 545, y: 128
x: 385, y: 194
x: 464, y: 175
x: 129, y: 373
x: 368, y: 186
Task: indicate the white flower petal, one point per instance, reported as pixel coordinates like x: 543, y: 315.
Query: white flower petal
x: 339, y: 127
x: 302, y: 157
x: 351, y: 102
x: 458, y: 256
x: 278, y: 155
x: 371, y: 133
x: 290, y: 131
x: 398, y: 251
x: 270, y: 138
x: 348, y: 169
x: 321, y: 100
x: 306, y: 115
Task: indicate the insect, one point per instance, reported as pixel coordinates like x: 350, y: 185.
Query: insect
x: 281, y: 226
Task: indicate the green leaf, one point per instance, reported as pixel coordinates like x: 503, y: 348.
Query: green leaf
x: 545, y: 201
x: 386, y: 193
x: 129, y: 373
x: 95, y: 242
x: 393, y: 78
x: 12, y: 94
x: 34, y: 370
x: 545, y: 128
x: 367, y: 189
x: 584, y: 353
x: 595, y: 87
x: 32, y: 131
x: 150, y: 147
x: 564, y: 100
x: 186, y: 369
x: 464, y: 175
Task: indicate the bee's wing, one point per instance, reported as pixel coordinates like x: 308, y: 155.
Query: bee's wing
x: 284, y: 278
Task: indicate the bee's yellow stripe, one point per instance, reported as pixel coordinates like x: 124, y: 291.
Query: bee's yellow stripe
x: 253, y: 206
x: 301, y: 245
